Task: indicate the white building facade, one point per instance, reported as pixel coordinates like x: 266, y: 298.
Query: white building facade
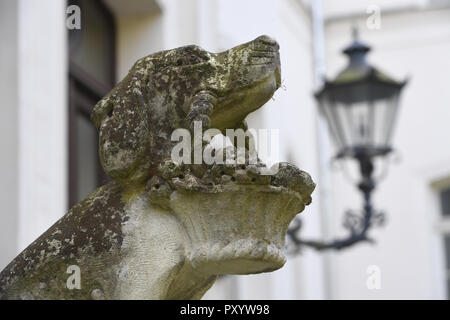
x: 408, y: 37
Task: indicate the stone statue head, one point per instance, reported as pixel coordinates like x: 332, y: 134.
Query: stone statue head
x: 171, y: 89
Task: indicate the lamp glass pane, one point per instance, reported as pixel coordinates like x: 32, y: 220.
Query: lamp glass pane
x: 384, y: 114
x: 362, y: 114
x: 328, y: 110
x: 390, y: 118
x: 360, y: 123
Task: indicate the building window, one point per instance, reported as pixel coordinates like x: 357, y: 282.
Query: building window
x: 91, y: 76
x: 444, y: 196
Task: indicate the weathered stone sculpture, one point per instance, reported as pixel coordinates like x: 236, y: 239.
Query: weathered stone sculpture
x: 161, y: 229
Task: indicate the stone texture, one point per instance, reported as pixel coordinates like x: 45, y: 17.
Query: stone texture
x: 162, y: 230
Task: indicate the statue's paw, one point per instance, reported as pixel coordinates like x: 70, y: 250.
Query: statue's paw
x: 159, y: 191
x: 186, y: 181
x: 251, y: 174
x: 200, y: 119
x: 222, y: 173
x: 291, y: 177
x: 202, y: 106
x: 169, y: 169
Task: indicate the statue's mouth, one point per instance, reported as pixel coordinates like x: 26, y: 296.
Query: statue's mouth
x: 271, y: 62
x: 266, y: 57
x: 240, y: 101
x: 266, y: 51
x: 278, y: 77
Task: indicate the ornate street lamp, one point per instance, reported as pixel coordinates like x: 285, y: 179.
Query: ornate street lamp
x: 360, y: 106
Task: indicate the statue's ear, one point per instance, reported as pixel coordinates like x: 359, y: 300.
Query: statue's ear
x: 102, y: 109
x: 122, y: 123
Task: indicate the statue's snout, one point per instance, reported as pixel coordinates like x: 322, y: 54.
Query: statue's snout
x: 268, y: 41
x: 266, y: 49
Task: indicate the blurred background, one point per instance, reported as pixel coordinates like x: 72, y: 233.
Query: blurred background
x: 52, y: 73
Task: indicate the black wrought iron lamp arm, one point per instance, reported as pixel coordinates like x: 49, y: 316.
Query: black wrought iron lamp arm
x: 358, y: 226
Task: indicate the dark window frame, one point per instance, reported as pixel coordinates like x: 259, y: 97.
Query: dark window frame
x: 83, y: 89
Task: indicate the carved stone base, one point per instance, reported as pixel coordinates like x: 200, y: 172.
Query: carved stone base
x: 239, y: 229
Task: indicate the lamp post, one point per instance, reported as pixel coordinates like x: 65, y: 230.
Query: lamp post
x: 360, y: 106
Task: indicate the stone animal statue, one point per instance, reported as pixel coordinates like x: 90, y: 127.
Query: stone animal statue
x: 161, y: 229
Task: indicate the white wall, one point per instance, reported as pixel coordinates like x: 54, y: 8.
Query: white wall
x: 9, y: 133
x: 35, y: 111
x: 139, y: 31
x: 42, y: 117
x: 347, y: 8
x: 138, y: 35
